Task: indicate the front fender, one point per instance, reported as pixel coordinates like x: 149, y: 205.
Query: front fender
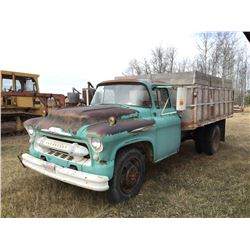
x: 113, y: 143
x: 131, y: 142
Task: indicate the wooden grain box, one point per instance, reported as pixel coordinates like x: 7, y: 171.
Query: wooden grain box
x: 209, y: 98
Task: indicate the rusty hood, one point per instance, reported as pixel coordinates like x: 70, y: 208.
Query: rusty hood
x: 72, y: 119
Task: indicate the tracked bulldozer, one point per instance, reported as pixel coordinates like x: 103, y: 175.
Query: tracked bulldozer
x: 22, y: 100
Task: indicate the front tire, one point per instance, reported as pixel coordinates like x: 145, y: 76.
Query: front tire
x: 128, y: 175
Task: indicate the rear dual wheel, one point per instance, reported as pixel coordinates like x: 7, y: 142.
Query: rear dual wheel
x: 212, y: 140
x: 207, y: 139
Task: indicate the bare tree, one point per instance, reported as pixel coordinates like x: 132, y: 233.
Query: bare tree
x: 241, y: 77
x: 215, y: 59
x: 170, y: 54
x: 134, y: 68
x: 158, y: 61
x: 216, y: 53
x: 185, y: 65
x: 228, y: 44
x: 204, y: 45
x: 161, y: 61
x: 146, y: 67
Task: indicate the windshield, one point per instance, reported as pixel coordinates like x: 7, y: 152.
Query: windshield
x: 127, y: 94
x: 25, y: 84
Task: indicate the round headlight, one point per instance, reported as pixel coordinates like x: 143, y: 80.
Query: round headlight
x: 96, y: 144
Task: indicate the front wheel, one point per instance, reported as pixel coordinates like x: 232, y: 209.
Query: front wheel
x: 128, y: 175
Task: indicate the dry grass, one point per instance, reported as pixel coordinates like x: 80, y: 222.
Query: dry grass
x: 185, y: 185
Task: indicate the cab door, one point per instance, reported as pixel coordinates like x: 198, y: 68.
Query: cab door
x: 168, y: 124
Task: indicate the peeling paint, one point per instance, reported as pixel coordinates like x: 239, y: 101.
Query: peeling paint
x: 72, y: 119
x: 121, y: 126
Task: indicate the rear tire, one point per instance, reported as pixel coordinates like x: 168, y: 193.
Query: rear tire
x: 212, y: 139
x: 128, y: 175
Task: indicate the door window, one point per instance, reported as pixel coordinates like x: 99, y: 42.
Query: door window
x: 18, y: 86
x: 161, y: 96
x: 6, y: 84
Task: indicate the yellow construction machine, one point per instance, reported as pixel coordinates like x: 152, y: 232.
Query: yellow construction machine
x: 21, y: 100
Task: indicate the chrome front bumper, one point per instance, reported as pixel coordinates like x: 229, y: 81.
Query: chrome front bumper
x: 74, y: 177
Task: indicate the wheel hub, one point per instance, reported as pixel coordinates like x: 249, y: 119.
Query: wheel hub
x: 130, y: 176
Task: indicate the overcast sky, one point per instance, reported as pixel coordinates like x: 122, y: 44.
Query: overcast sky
x: 71, y: 42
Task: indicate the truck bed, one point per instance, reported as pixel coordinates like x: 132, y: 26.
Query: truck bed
x: 209, y: 98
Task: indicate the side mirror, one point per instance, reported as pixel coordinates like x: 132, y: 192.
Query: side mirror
x: 87, y: 95
x: 181, y: 98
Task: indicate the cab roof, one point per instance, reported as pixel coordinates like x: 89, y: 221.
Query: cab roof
x: 147, y: 82
x: 8, y: 72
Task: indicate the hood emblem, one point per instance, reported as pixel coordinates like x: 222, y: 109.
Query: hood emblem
x: 112, y: 121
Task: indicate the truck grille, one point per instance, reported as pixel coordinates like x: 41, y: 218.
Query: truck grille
x: 70, y: 151
x: 61, y: 155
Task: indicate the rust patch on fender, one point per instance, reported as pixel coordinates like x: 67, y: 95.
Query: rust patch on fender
x: 121, y: 126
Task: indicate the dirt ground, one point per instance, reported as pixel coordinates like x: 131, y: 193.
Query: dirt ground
x: 185, y: 185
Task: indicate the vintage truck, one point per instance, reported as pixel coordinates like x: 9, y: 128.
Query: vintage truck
x: 130, y: 122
